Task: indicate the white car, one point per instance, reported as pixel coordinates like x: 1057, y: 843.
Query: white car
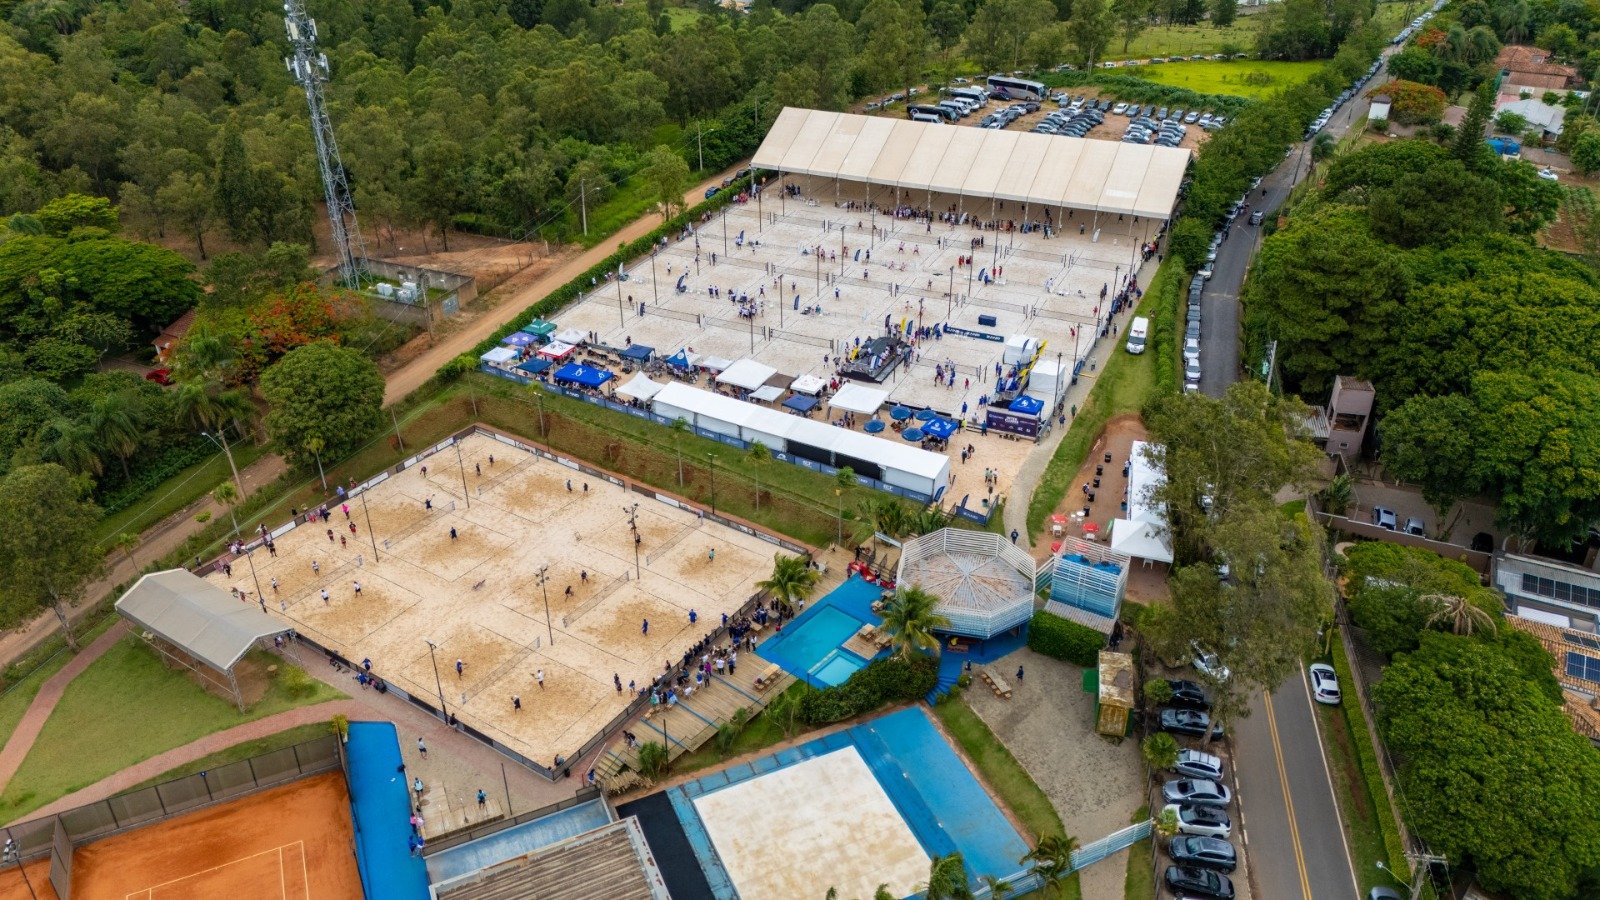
x: 1191, y: 370
x: 1208, y: 664
x: 1548, y: 174
x: 1191, y: 350
x: 1200, y: 820
x: 1324, y: 684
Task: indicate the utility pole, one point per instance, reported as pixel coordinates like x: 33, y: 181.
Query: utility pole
x: 368, y: 513
x: 465, y: 493
x: 633, y: 526
x: 309, y: 66
x: 583, y: 205
x: 699, y: 147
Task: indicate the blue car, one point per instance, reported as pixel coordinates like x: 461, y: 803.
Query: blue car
x: 712, y: 191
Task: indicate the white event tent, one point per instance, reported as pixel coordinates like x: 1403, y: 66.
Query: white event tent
x: 1144, y: 533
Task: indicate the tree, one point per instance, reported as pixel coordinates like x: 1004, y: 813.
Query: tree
x: 1458, y: 614
x: 326, y: 391
x: 1131, y: 17
x: 25, y: 406
x: 207, y: 405
x: 227, y: 497
x: 1089, y: 30
x: 1429, y: 442
x: 843, y: 480
x: 1160, y: 751
x: 894, y: 42
x: 1508, y: 122
x: 947, y: 879
x: 946, y: 22
x: 59, y: 217
x: 188, y: 200
x: 759, y: 456
x: 668, y: 177
x: 1586, y: 152
x: 234, y: 188
x: 1492, y: 773
x: 67, y: 443
x: 1052, y: 859
x: 438, y: 185
x: 792, y: 579
x: 1223, y: 12
x: 1000, y: 29
x: 1390, y: 590
x: 1469, y: 147
x: 679, y: 427
x: 1440, y: 205
x: 909, y: 620
x: 48, y: 554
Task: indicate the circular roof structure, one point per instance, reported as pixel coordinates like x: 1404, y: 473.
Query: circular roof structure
x: 984, y: 583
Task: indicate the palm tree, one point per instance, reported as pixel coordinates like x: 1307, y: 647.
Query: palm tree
x: 314, y: 447
x: 1459, y: 614
x: 947, y: 879
x: 844, y: 479
x: 680, y: 427
x: 228, y: 496
x: 115, y: 421
x: 792, y: 579
x: 68, y: 444
x: 1052, y: 859
x: 927, y: 520
x: 883, y: 515
x: 999, y: 888
x: 759, y: 456
x: 127, y: 542
x: 208, y: 405
x: 909, y: 620
x: 883, y: 893
x: 204, y: 354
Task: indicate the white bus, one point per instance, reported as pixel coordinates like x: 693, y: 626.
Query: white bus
x: 1015, y: 88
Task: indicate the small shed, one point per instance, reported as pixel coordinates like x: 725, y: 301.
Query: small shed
x: 169, y: 337
x: 1114, y: 700
x: 1380, y: 108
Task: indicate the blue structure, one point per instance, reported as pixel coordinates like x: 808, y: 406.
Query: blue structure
x: 811, y: 647
x: 380, y: 805
x: 517, y: 840
x: 587, y: 376
x: 1086, y: 584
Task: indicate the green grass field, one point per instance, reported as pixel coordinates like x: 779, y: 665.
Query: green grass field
x: 1239, y: 77
x: 1188, y: 40
x: 125, y: 708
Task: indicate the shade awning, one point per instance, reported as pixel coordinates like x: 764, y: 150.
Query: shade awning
x: 939, y: 428
x: 639, y: 352
x: 571, y: 336
x: 747, y: 374
x: 640, y: 388
x: 1141, y: 540
x: 858, y: 398
x: 681, y: 359
x: 801, y: 403
x: 539, y: 328
x: 196, y: 616
x: 535, y: 366
x: 557, y: 350
x: 766, y: 393
x: 500, y: 355
x: 1028, y: 406
x: 808, y: 384
x: 588, y: 376
x: 714, y: 363
x: 518, y: 339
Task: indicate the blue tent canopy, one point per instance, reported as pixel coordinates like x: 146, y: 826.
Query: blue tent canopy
x: 679, y: 359
x: 587, y: 376
x: 939, y: 428
x: 1028, y: 406
x: 518, y: 339
x: 535, y: 366
x: 801, y: 403
x: 639, y: 352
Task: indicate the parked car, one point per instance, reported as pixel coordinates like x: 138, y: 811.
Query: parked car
x: 1191, y: 370
x: 1384, y: 893
x: 1383, y: 517
x: 1186, y: 694
x: 1195, y: 881
x: 1414, y: 526
x: 712, y: 191
x: 159, y: 376
x: 1205, y: 852
x: 1324, y: 684
x: 1207, y: 662
x: 1199, y: 764
x: 1191, y: 722
x: 1256, y: 217
x: 1197, y: 792
x: 1201, y: 820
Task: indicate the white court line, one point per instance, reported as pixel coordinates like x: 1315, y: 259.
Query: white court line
x: 149, y: 892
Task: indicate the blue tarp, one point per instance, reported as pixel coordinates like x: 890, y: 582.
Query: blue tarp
x: 1028, y: 406
x: 639, y: 352
x: 584, y: 375
x: 535, y: 366
x: 679, y: 359
x: 380, y: 804
x: 939, y: 428
x: 801, y: 403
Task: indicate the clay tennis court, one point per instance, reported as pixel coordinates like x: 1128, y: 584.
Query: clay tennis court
x: 293, y: 842
x: 477, y: 597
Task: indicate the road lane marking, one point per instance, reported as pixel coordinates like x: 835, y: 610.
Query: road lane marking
x: 1327, y: 772
x: 1288, y: 801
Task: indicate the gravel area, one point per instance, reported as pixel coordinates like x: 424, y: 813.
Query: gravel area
x: 1095, y: 784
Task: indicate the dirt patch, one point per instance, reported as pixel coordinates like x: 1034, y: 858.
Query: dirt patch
x: 1117, y: 440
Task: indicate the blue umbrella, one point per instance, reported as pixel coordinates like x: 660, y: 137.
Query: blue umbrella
x: 912, y: 434
x: 899, y: 414
x: 926, y: 415
x: 873, y: 426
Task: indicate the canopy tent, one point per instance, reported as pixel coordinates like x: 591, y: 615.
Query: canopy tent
x: 639, y: 352
x: 939, y: 428
x: 766, y: 393
x: 747, y: 374
x: 190, y: 620
x: 800, y: 403
x: 534, y: 366
x: 808, y: 384
x: 557, y: 350
x: 588, y: 376
x: 714, y: 363
x: 681, y: 359
x: 1144, y: 531
x: 518, y: 339
x: 539, y: 328
x: 1028, y: 406
x: 640, y: 388
x: 571, y: 336
x: 500, y: 355
x: 1142, y: 540
x: 1048, y: 170
x: 858, y: 398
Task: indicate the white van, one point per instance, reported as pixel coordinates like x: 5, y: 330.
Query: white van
x: 978, y: 96
x: 1137, y: 332
x: 918, y: 115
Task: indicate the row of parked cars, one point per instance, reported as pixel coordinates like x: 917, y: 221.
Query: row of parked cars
x: 1069, y: 123
x: 1000, y: 118
x: 1198, y: 798
x: 1163, y: 133
x: 1417, y: 23
x: 1321, y: 121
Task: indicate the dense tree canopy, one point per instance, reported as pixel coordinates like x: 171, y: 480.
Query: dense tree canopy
x: 324, y: 399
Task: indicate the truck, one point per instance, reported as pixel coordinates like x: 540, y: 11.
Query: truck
x: 1137, y: 332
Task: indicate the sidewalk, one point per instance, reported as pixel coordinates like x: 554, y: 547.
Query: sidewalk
x: 44, y: 703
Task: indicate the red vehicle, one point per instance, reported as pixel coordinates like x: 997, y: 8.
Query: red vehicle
x: 159, y: 376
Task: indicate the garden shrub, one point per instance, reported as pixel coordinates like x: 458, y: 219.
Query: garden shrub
x: 1065, y: 640
x: 890, y: 680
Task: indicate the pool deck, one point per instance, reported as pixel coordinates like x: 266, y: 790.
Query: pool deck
x: 853, y: 598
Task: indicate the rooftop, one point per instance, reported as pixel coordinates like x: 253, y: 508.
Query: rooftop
x: 609, y: 863
x: 1534, y: 60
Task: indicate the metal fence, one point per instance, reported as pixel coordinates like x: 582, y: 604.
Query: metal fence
x: 181, y: 795
x: 1116, y: 841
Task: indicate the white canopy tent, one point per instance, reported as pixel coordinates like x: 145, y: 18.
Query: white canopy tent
x: 747, y: 374
x: 640, y: 388
x: 1044, y: 170
x: 1141, y: 540
x: 766, y: 393
x: 500, y: 355
x: 1144, y: 531
x: 809, y: 385
x: 858, y: 398
x: 570, y: 336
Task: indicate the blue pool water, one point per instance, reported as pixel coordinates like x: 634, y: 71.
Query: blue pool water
x: 837, y: 667
x: 380, y: 804
x: 810, y: 647
x: 517, y: 840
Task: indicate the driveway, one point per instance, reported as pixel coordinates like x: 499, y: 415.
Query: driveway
x: 1467, y: 519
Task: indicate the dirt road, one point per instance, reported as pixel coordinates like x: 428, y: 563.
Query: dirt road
x: 411, y: 376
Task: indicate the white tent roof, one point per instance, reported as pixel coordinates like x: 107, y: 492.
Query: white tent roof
x: 1141, y: 540
x: 767, y: 393
x: 191, y: 613
x: 1105, y: 176
x: 640, y: 388
x: 858, y: 398
x: 500, y: 354
x: 808, y: 384
x: 716, y: 363
x: 747, y: 374
x: 1143, y: 479
x: 570, y: 336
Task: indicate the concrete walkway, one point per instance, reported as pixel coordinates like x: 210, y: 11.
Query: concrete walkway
x: 44, y: 702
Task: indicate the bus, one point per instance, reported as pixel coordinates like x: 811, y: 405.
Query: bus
x: 1015, y: 88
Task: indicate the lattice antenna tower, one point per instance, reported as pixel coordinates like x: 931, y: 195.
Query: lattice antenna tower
x: 309, y: 66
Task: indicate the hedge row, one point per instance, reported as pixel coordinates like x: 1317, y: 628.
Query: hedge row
x: 1166, y: 303
x: 1065, y: 640
x: 1367, y: 758
x: 173, y: 460
x: 889, y: 680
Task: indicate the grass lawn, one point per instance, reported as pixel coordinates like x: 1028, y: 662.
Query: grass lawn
x: 125, y: 708
x: 258, y: 747
x: 1005, y: 776
x: 175, y: 493
x: 18, y: 696
x: 1239, y: 77
x: 1188, y: 40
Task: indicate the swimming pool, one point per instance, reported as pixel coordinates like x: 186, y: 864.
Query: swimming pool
x: 837, y: 667
x: 810, y: 646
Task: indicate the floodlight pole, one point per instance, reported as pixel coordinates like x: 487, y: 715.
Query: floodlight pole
x: 541, y: 578
x: 463, y: 464
x: 633, y: 526
x: 370, y: 535
x: 443, y: 713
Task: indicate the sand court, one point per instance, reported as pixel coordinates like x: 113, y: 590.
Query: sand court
x: 478, y: 597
